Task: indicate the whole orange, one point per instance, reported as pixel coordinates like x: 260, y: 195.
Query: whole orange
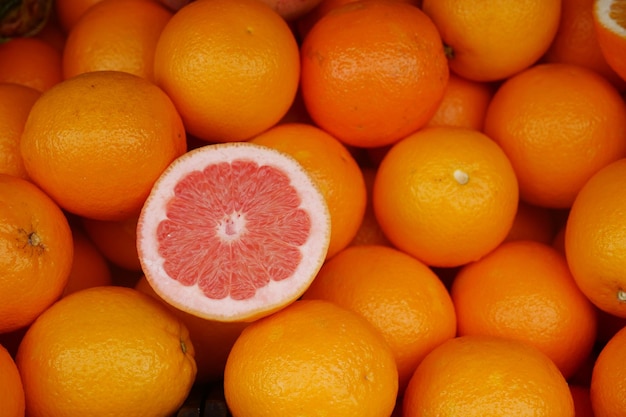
x: 138, y: 352
x: 594, y: 237
x: 607, y: 391
x: 523, y: 290
x: 231, y: 67
x: 31, y: 62
x: 35, y: 252
x: 15, y: 103
x: 558, y: 124
x: 312, y: 357
x: 446, y: 195
x: 493, y: 40
x: 369, y: 232
x: 477, y: 376
x: 97, y: 142
x: 399, y: 295
x: 116, y: 35
x: 12, y: 392
x: 334, y: 170
x: 373, y: 71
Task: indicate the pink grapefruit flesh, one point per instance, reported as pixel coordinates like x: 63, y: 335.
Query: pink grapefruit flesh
x: 233, y: 232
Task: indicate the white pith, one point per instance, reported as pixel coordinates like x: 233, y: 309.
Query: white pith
x: 602, y: 9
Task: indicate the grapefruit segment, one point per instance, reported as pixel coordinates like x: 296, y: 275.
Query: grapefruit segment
x: 233, y: 232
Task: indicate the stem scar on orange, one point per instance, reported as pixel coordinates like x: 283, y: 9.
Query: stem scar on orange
x: 233, y: 232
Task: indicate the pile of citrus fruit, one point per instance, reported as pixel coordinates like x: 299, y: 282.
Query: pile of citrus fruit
x: 363, y: 208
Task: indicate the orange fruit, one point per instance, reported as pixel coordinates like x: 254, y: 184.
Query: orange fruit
x: 233, y: 232
x: 212, y: 340
x: 576, y: 41
x: 485, y: 375
x: 525, y: 30
x: 116, y: 35
x: 31, y: 62
x: 35, y: 252
x: 231, y: 67
x: 369, y: 232
x: 609, y: 17
x: 12, y: 392
x: 523, y: 290
x: 127, y: 341
x: 334, y: 170
x: 594, y: 235
x: 373, y: 72
x: 532, y: 223
x: 558, y: 124
x: 404, y: 300
x: 15, y: 104
x: 312, y: 357
x: 607, y: 391
x: 89, y: 267
x: 445, y: 195
x: 115, y: 240
x: 464, y: 104
x: 70, y: 11
x: 97, y: 142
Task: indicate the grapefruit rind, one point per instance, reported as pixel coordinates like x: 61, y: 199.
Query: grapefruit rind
x: 273, y: 296
x: 602, y: 10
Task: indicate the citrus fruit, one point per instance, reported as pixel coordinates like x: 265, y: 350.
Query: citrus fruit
x: 373, y: 72
x: 231, y: 67
x: 524, y: 290
x: 558, y: 124
x: 212, y: 340
x: 35, y: 252
x: 609, y: 18
x: 116, y: 240
x: 525, y: 29
x: 116, y: 35
x: 334, y: 170
x: 607, y: 391
x: 404, y: 300
x: 123, y: 339
x: 311, y: 358
x: 582, y: 400
x: 89, y: 266
x: 484, y: 375
x: 12, y: 392
x: 15, y: 103
x: 31, y: 62
x: 595, y: 236
x: 576, y: 41
x: 464, y: 104
x: 233, y: 231
x: 446, y: 195
x: 97, y: 142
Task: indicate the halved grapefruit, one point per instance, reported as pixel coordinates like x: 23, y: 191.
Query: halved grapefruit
x: 233, y: 232
x: 610, y: 24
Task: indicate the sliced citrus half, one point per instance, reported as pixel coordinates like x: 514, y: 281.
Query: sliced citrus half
x: 610, y: 22
x: 233, y: 232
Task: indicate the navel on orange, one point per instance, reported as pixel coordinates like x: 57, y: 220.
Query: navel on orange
x: 233, y: 232
x: 35, y: 252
